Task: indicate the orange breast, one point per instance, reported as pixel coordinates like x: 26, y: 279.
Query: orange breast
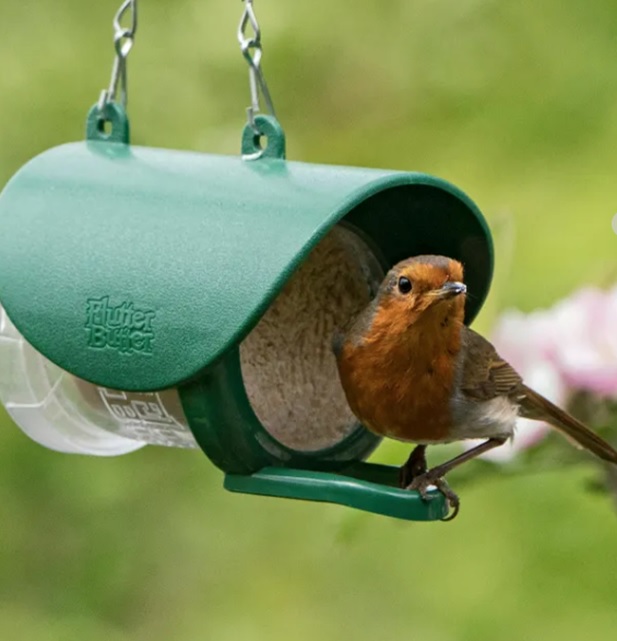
x: 401, y: 388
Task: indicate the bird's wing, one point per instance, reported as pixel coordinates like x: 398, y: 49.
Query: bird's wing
x: 485, y: 375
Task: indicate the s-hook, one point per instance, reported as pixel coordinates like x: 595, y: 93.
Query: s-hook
x: 252, y: 51
x: 124, y: 38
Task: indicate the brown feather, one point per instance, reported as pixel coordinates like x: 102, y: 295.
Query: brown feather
x: 534, y: 405
x: 485, y: 374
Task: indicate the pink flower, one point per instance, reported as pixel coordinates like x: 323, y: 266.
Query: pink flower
x: 587, y: 351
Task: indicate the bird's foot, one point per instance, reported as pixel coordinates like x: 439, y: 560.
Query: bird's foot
x: 422, y: 483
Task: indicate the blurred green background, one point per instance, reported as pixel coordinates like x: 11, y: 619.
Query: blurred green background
x: 516, y: 103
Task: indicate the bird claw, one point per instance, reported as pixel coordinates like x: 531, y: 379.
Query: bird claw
x: 421, y: 484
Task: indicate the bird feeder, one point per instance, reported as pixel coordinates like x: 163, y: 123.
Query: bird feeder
x: 150, y: 296
x: 167, y: 297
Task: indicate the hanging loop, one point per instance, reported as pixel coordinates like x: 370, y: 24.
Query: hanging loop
x: 269, y: 128
x: 124, y: 37
x: 251, y: 48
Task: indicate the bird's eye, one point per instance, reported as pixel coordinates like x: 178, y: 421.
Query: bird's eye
x: 404, y: 285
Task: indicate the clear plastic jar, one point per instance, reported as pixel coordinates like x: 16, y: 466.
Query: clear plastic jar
x: 67, y: 414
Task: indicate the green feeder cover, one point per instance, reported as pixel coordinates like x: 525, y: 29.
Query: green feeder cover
x: 137, y: 268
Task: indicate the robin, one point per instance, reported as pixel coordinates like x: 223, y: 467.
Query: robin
x: 412, y: 371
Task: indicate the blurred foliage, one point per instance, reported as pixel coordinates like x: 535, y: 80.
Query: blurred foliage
x: 515, y: 102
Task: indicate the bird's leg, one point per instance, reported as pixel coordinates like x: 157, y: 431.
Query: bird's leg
x: 441, y: 470
x: 415, y: 466
x: 435, y: 475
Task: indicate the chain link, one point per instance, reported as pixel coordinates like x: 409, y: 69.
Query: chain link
x: 124, y: 37
x: 252, y: 51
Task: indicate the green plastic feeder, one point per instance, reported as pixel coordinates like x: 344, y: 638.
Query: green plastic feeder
x: 167, y: 297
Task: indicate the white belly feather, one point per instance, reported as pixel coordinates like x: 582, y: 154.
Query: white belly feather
x: 488, y: 419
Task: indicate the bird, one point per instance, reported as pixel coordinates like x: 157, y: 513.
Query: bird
x: 411, y: 370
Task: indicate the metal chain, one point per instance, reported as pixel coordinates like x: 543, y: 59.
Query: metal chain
x: 124, y: 37
x: 252, y: 51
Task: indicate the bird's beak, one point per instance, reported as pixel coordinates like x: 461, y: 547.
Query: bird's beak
x: 449, y: 290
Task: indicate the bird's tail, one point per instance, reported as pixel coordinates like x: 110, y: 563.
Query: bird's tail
x: 538, y: 407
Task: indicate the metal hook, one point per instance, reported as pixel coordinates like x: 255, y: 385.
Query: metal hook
x: 124, y: 37
x: 252, y: 51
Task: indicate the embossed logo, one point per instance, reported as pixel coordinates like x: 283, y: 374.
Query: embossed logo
x: 125, y: 328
